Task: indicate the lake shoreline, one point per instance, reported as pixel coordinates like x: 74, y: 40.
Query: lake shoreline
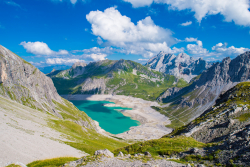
x: 152, y: 122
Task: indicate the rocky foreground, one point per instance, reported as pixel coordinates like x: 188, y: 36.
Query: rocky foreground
x: 104, y: 158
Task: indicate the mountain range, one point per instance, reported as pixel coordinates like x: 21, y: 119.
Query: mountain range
x: 181, y: 66
x: 209, y: 110
x: 121, y: 77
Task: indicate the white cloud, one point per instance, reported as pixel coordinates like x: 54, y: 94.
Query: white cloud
x: 186, y: 23
x: 112, y: 26
x: 73, y: 1
x: 196, y: 49
x: 62, y: 61
x: 224, y: 51
x: 96, y: 57
x: 41, y: 48
x: 232, y: 10
x: 140, y: 3
x: 99, y: 40
x: 96, y: 50
x: 144, y: 38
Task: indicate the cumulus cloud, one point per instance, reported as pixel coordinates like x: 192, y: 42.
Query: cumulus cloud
x: 62, y: 61
x: 144, y: 38
x: 232, y: 10
x: 186, y: 23
x: 196, y: 49
x: 41, y: 48
x: 222, y: 50
x: 96, y: 57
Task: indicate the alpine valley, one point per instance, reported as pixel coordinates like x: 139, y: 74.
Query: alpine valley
x: 191, y: 112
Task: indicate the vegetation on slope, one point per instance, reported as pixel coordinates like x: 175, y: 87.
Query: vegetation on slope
x: 163, y: 146
x: 85, y: 139
x: 237, y: 96
x: 51, y: 162
x: 123, y: 77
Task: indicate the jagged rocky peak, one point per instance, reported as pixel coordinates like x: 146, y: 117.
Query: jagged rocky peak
x: 181, y: 66
x: 206, y: 88
x: 24, y: 83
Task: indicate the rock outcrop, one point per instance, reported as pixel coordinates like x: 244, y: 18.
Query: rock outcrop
x: 181, y: 66
x: 205, y: 89
x: 226, y: 123
x: 104, y: 152
x: 24, y: 83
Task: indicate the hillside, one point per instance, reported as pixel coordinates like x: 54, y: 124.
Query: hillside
x: 123, y: 77
x: 226, y: 123
x: 185, y: 104
x: 34, y: 117
x: 181, y: 66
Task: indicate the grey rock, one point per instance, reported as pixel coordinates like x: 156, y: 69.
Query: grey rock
x: 201, y: 165
x: 181, y: 66
x: 120, y: 154
x: 24, y: 83
x: 188, y: 165
x: 147, y: 154
x: 73, y: 163
x: 203, y: 92
x: 104, y: 152
x: 194, y: 150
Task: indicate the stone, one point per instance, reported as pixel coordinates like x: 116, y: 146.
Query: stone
x: 120, y: 154
x: 73, y: 163
x: 104, y: 152
x: 200, y: 165
x: 188, y: 165
x: 147, y: 154
x: 194, y: 150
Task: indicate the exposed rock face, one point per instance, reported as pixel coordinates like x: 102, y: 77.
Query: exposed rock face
x: 104, y: 152
x: 227, y: 123
x: 181, y: 66
x: 203, y: 92
x: 22, y: 82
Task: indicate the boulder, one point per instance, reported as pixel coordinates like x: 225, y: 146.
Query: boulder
x: 104, y: 152
x: 120, y: 154
x: 147, y: 154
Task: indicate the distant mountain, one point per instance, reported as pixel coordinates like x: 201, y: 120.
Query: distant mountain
x: 187, y: 103
x: 122, y: 77
x: 181, y: 66
x: 48, y: 69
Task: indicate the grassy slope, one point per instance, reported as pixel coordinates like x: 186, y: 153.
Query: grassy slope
x: 134, y: 85
x: 163, y: 146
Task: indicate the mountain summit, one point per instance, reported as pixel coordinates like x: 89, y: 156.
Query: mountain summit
x: 181, y: 66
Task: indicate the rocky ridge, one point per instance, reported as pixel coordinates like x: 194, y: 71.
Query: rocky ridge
x: 113, y: 77
x: 201, y: 94
x: 227, y: 123
x: 24, y: 83
x: 181, y: 66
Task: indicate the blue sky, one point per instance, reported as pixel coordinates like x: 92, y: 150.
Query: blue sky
x: 55, y: 32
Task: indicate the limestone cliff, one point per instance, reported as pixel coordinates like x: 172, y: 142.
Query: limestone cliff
x: 181, y: 66
x: 24, y: 83
x: 201, y: 94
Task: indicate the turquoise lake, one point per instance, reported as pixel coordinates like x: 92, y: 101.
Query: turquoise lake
x: 109, y: 119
